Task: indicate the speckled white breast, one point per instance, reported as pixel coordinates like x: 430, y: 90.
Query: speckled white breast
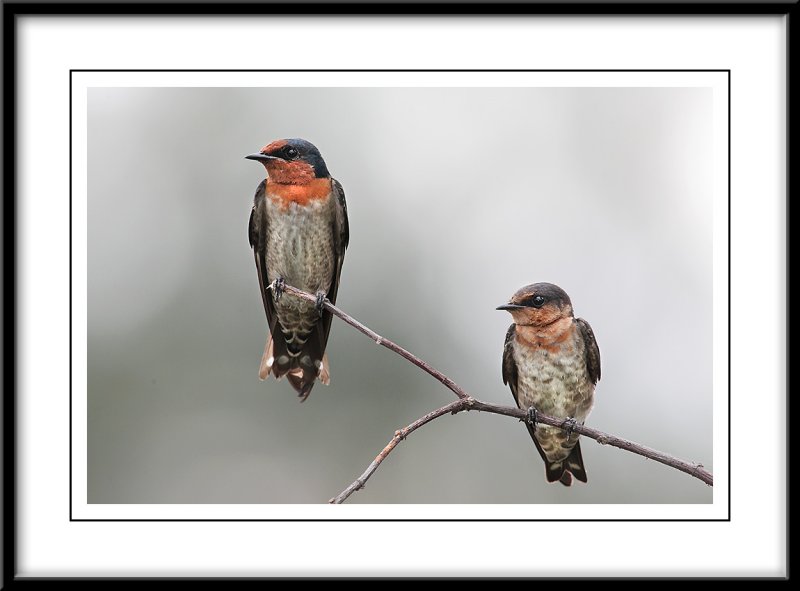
x: 300, y: 248
x: 555, y: 383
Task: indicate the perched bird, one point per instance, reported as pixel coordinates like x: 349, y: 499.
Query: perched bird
x: 299, y: 232
x: 551, y: 363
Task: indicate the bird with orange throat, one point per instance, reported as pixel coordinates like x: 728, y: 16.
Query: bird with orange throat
x: 299, y: 233
x: 551, y: 362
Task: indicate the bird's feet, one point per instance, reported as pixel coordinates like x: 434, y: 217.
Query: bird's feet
x: 278, y: 286
x: 533, y: 414
x: 319, y: 305
x: 569, y: 425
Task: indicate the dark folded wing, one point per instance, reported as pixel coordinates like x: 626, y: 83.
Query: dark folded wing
x: 257, y: 233
x: 591, y: 350
x: 509, y: 365
x: 510, y: 377
x: 341, y: 209
x: 341, y: 238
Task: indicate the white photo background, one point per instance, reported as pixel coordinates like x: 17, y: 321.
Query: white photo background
x: 457, y: 197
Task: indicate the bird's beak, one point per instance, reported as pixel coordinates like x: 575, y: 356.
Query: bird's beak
x: 509, y: 307
x: 261, y: 157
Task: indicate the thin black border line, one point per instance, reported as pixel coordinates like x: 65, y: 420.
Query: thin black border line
x: 399, y: 70
x: 787, y: 164
x: 730, y: 479
x: 70, y: 297
x: 126, y: 71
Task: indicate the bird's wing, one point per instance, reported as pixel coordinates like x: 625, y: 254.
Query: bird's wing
x: 340, y: 228
x: 341, y: 238
x: 510, y: 377
x: 341, y: 214
x: 509, y: 365
x: 591, y: 350
x: 257, y: 234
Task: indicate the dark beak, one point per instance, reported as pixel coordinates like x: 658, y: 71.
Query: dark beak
x: 261, y: 157
x: 509, y: 307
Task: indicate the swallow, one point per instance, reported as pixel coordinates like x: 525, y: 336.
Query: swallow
x: 299, y: 233
x: 551, y: 363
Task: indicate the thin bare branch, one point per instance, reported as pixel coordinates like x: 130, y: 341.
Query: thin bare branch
x: 424, y: 366
x: 467, y: 402
x: 399, y: 435
x: 470, y: 403
x: 690, y: 468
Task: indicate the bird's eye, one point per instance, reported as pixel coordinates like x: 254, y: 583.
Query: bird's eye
x: 291, y: 153
x: 538, y: 301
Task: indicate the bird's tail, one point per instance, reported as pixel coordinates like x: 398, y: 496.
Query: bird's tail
x: 278, y: 361
x: 564, y: 470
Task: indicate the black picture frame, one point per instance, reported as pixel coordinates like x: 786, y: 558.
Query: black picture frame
x: 12, y: 10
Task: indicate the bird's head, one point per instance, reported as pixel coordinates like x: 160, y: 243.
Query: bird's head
x: 539, y: 304
x: 291, y: 161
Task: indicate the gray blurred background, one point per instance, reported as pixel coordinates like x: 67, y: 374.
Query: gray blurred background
x: 457, y: 197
